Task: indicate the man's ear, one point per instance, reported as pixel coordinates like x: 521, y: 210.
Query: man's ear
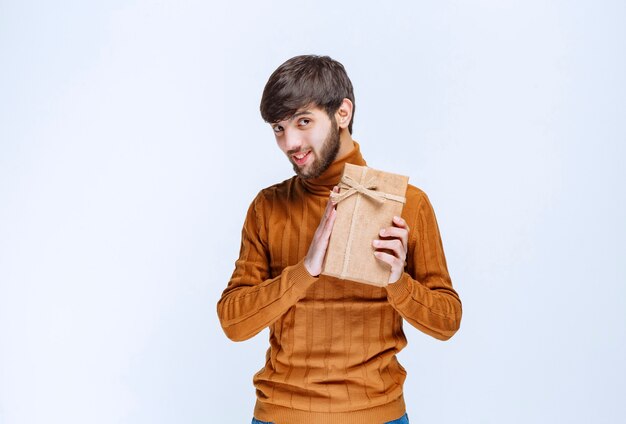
x: 344, y: 113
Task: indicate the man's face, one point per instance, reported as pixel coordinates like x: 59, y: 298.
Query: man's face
x: 310, y: 139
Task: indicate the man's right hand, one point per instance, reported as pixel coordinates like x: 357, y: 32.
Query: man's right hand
x: 314, y: 258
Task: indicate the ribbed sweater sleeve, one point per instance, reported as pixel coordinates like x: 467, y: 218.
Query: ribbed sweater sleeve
x: 424, y: 295
x: 252, y: 300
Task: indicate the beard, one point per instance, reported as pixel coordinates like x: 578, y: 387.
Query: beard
x: 326, y: 156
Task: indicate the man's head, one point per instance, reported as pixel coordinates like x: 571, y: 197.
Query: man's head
x: 303, y: 81
x: 308, y: 100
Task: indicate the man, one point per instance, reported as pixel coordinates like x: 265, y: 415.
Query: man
x: 333, y: 343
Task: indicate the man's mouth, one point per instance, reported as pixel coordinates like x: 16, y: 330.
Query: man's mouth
x: 301, y: 157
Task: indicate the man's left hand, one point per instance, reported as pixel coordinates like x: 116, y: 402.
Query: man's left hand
x: 392, y: 247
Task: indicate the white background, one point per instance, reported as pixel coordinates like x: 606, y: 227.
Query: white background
x: 131, y: 145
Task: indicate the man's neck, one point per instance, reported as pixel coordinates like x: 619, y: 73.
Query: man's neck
x: 346, y: 144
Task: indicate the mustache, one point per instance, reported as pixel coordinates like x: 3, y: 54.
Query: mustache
x: 294, y: 151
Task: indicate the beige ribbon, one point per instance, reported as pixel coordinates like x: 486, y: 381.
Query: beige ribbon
x: 367, y: 189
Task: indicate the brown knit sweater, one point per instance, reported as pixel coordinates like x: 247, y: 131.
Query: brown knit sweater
x: 333, y: 343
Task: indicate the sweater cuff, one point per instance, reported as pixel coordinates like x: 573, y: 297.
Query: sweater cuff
x: 300, y: 276
x: 399, y: 290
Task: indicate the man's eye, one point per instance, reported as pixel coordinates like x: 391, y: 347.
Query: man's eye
x: 304, y: 121
x: 277, y: 128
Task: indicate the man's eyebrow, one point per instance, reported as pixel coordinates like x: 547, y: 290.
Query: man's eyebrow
x: 297, y: 114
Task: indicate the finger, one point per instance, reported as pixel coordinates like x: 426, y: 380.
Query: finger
x: 394, y: 246
x: 396, y: 232
x: 325, y: 226
x: 398, y: 221
x: 329, y: 204
x: 331, y: 199
x: 322, y: 240
x: 395, y: 263
x: 330, y: 222
x: 329, y: 207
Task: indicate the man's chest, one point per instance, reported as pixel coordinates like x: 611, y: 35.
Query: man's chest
x: 290, y: 229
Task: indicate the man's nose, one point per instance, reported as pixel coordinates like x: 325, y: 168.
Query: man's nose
x: 293, y: 141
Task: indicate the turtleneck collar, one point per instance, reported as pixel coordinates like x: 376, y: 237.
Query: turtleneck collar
x: 323, y: 184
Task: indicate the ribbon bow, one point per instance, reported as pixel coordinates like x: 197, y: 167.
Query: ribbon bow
x: 367, y: 189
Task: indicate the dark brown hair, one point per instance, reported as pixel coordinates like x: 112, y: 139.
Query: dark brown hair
x: 306, y: 80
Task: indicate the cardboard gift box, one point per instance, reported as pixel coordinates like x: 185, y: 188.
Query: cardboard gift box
x: 366, y: 203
